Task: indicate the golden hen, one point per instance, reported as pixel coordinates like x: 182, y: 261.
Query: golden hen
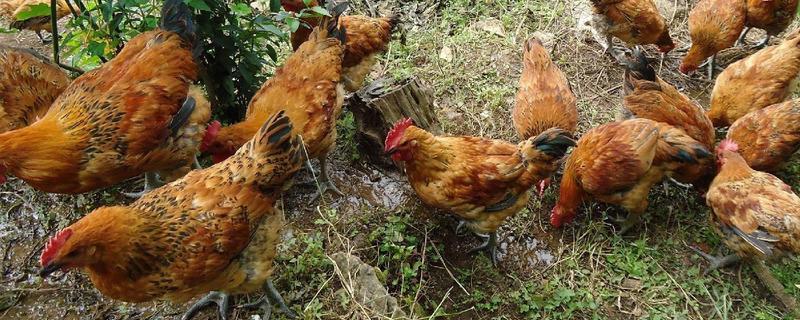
x: 772, y: 16
x: 545, y: 99
x: 617, y: 163
x: 714, y: 25
x: 29, y: 84
x: 755, y: 213
x: 636, y: 22
x: 768, y: 138
x: 308, y: 87
x: 648, y: 96
x: 120, y: 120
x: 366, y: 38
x: 482, y: 181
x: 765, y: 78
x: 216, y: 229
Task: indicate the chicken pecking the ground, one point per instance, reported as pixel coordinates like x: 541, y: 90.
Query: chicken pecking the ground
x: 308, y: 87
x: 29, y: 84
x: 648, y: 96
x: 714, y: 25
x: 760, y: 80
x: 120, y: 120
x: 772, y: 16
x: 768, y: 138
x: 617, y: 163
x: 215, y: 230
x: 36, y: 24
x: 636, y: 22
x: 756, y: 214
x: 545, y: 99
x: 481, y: 181
x: 366, y: 38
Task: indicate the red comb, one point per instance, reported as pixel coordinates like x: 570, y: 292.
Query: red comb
x: 53, y: 246
x: 396, y: 133
x: 728, y: 145
x: 211, y: 134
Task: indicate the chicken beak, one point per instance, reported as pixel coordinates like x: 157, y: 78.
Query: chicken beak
x: 49, y: 269
x: 391, y: 151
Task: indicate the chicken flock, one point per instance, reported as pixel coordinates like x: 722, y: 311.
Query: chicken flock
x: 215, y: 230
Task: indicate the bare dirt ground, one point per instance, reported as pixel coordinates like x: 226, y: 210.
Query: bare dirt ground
x: 468, y: 52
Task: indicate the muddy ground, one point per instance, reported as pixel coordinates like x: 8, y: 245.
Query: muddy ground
x: 468, y: 53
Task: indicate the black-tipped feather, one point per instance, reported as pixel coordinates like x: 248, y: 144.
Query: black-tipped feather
x: 183, y: 115
x: 637, y: 68
x: 177, y: 17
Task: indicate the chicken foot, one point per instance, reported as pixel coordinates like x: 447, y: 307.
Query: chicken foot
x: 743, y: 36
x: 325, y: 184
x: 759, y: 45
x: 150, y: 182
x: 490, y: 246
x: 716, y: 262
x: 221, y: 299
x: 41, y: 37
x: 775, y: 287
x: 265, y: 303
x: 628, y: 223
x: 712, y: 65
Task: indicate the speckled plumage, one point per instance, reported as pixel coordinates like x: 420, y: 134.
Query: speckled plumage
x: 214, y: 229
x: 768, y: 138
x: 714, y: 25
x: 308, y: 87
x: 755, y: 212
x: 760, y: 80
x: 113, y: 123
x: 367, y: 37
x: 545, y: 99
x: 29, y: 84
x: 482, y: 181
x: 618, y: 163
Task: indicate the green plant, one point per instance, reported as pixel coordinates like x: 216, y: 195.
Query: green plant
x: 398, y: 256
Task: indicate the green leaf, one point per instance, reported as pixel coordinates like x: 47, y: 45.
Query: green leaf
x: 36, y: 10
x: 199, y: 5
x: 320, y: 11
x: 96, y: 48
x: 307, y: 2
x: 293, y: 23
x: 275, y: 5
x: 241, y: 9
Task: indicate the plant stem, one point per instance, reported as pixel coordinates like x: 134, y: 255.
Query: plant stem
x: 54, y: 27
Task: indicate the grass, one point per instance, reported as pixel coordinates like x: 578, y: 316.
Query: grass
x: 583, y: 271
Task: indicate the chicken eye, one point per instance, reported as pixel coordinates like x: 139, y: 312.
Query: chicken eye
x: 72, y: 254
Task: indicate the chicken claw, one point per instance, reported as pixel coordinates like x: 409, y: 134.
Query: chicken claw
x: 460, y: 227
x: 221, y: 299
x: 490, y: 246
x: 716, y: 262
x: 265, y: 303
x: 150, y: 182
x: 628, y: 223
x: 326, y: 184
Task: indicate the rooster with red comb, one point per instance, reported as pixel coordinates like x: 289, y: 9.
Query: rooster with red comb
x: 482, y: 181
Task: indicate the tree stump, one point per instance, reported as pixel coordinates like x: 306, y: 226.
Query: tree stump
x: 378, y: 106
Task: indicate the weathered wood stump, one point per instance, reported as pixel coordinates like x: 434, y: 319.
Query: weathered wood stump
x: 382, y: 103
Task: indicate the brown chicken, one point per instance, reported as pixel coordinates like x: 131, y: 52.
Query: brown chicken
x: 648, y: 96
x: 772, y: 16
x: 308, y: 87
x: 29, y: 84
x: 618, y: 163
x: 768, y: 138
x: 635, y: 22
x: 714, y: 25
x: 481, y: 181
x: 765, y: 78
x: 120, y: 120
x: 37, y: 24
x: 544, y: 100
x: 366, y: 38
x: 756, y: 214
x: 216, y: 229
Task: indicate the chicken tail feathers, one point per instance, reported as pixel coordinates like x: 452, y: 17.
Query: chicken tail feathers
x: 276, y: 151
x: 332, y: 22
x: 676, y: 145
x: 177, y: 17
x: 183, y: 115
x: 637, y: 68
x: 553, y: 143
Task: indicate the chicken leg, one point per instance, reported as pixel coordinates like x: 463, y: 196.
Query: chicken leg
x: 265, y: 303
x: 41, y: 37
x: 628, y: 223
x: 716, y: 262
x: 743, y: 36
x: 325, y: 182
x: 221, y: 299
x: 150, y: 182
x: 490, y: 246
